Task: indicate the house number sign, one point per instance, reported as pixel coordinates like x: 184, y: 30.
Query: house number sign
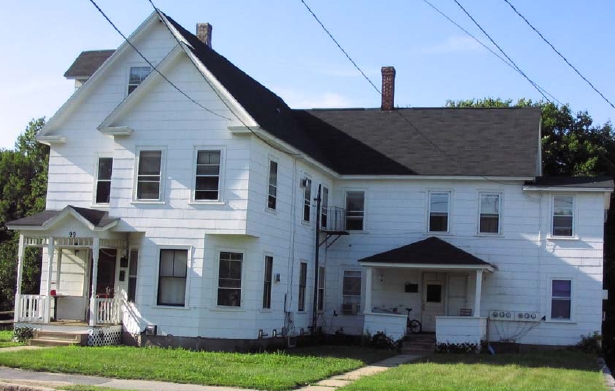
x: 72, y: 234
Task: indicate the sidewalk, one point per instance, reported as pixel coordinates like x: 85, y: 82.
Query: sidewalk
x: 21, y: 380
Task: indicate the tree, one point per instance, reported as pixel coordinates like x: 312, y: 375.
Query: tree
x: 23, y: 181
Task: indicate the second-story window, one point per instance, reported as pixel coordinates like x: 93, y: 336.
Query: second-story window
x: 207, y: 187
x: 307, y: 201
x: 489, y: 220
x: 149, y: 175
x: 324, y: 207
x: 137, y: 75
x: 273, y: 185
x: 103, y: 180
x: 438, y: 211
x: 563, y: 215
x: 355, y: 210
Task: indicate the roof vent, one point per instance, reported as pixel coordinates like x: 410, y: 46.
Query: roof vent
x: 203, y: 33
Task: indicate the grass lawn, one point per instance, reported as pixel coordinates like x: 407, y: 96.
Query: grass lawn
x: 265, y: 371
x: 546, y: 371
x: 6, y: 339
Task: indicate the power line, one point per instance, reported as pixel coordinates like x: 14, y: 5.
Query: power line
x: 485, y: 46
x: 560, y: 54
x: 152, y: 65
x: 502, y: 51
x: 340, y: 47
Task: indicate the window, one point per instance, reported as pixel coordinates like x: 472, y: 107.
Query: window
x: 351, y: 291
x: 207, y: 187
x: 438, y: 211
x: 307, y: 202
x: 229, y: 279
x: 149, y: 175
x: 132, y: 275
x: 321, y: 289
x: 273, y: 185
x: 561, y: 293
x: 302, y: 284
x: 267, y: 282
x: 323, y: 207
x: 137, y: 75
x: 103, y: 180
x: 562, y: 215
x: 355, y: 210
x: 172, y: 277
x: 489, y: 220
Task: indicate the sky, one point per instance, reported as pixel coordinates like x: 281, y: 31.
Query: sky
x: 281, y: 45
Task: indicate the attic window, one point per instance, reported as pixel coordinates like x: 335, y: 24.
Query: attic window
x: 137, y: 75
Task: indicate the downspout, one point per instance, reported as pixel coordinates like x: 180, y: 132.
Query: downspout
x: 316, y: 248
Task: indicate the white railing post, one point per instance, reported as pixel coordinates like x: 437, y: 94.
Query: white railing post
x: 477, y: 294
x: 93, y: 303
x: 368, y: 291
x: 50, y: 258
x: 20, y: 255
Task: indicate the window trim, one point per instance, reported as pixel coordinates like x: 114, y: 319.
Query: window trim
x: 550, y: 299
x: 363, y: 216
x: 135, y: 65
x: 573, y: 234
x: 161, y: 190
x: 301, y: 304
x: 188, y: 249
x: 448, y: 212
x: 322, y: 286
x: 277, y: 172
x: 267, y: 300
x: 221, y: 176
x: 341, y: 290
x: 135, y: 276
x: 96, y: 172
x: 500, y: 203
x: 217, y: 279
x: 307, y: 202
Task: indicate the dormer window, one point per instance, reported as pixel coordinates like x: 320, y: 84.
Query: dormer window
x: 137, y: 75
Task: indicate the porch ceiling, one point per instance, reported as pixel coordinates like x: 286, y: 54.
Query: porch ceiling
x: 433, y: 253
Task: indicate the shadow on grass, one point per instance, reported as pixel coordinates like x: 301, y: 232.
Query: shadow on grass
x: 364, y: 354
x: 561, y: 359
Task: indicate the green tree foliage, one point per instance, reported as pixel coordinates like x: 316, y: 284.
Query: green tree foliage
x: 23, y: 181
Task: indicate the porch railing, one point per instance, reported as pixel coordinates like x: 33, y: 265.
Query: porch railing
x: 31, y: 308
x: 108, y: 311
x: 333, y: 218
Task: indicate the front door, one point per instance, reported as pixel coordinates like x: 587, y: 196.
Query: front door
x: 433, y: 303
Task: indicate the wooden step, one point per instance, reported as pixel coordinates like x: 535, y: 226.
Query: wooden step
x: 419, y: 344
x: 57, y: 338
x: 51, y: 342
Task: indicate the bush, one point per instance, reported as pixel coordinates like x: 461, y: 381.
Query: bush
x: 21, y: 334
x: 381, y: 341
x: 465, y: 347
x: 590, y: 343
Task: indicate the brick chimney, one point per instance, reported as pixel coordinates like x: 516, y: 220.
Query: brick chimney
x: 388, y: 88
x: 203, y: 33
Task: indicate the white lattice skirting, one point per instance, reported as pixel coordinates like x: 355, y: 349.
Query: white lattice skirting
x: 105, y: 336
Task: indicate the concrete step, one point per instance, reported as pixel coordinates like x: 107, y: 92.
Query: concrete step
x: 57, y: 338
x: 51, y: 342
x: 419, y: 344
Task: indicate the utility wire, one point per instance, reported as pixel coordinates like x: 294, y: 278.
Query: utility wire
x: 340, y: 47
x: 559, y: 54
x: 164, y: 19
x: 502, y: 51
x: 152, y: 65
x: 485, y: 46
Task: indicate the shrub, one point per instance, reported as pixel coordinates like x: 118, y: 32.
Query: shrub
x: 21, y: 334
x: 465, y: 347
x: 590, y: 343
x: 382, y: 341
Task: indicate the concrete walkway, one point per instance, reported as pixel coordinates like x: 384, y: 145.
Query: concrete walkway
x: 21, y: 380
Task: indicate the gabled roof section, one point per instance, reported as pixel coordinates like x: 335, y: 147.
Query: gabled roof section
x: 470, y: 141
x: 429, y: 252
x: 87, y: 63
x: 96, y: 220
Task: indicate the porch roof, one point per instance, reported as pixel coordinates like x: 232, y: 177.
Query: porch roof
x: 95, y: 219
x: 428, y: 253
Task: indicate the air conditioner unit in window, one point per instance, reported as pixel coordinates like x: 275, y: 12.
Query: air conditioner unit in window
x: 350, y: 309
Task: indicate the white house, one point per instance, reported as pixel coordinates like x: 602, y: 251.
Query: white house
x: 189, y: 205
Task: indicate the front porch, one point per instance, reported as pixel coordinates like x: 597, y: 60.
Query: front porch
x: 441, y: 283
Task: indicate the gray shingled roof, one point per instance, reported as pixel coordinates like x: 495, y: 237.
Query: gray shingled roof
x: 97, y: 218
x: 431, y: 251
x: 87, y: 63
x: 598, y: 182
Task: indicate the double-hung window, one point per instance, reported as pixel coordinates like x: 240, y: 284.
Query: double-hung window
x: 103, y: 180
x: 267, y: 282
x: 229, y: 279
x: 172, y: 277
x: 149, y: 175
x: 355, y: 210
x: 207, y: 186
x: 302, y: 286
x: 321, y: 289
x: 137, y: 75
x: 489, y: 219
x: 132, y: 275
x: 307, y: 199
x: 273, y: 185
x: 439, y: 202
x: 561, y: 299
x: 351, y: 291
x: 563, y: 215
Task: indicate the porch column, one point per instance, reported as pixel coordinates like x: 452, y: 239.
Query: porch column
x: 477, y: 294
x: 368, y: 291
x: 95, y: 251
x: 50, y: 258
x: 20, y: 255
